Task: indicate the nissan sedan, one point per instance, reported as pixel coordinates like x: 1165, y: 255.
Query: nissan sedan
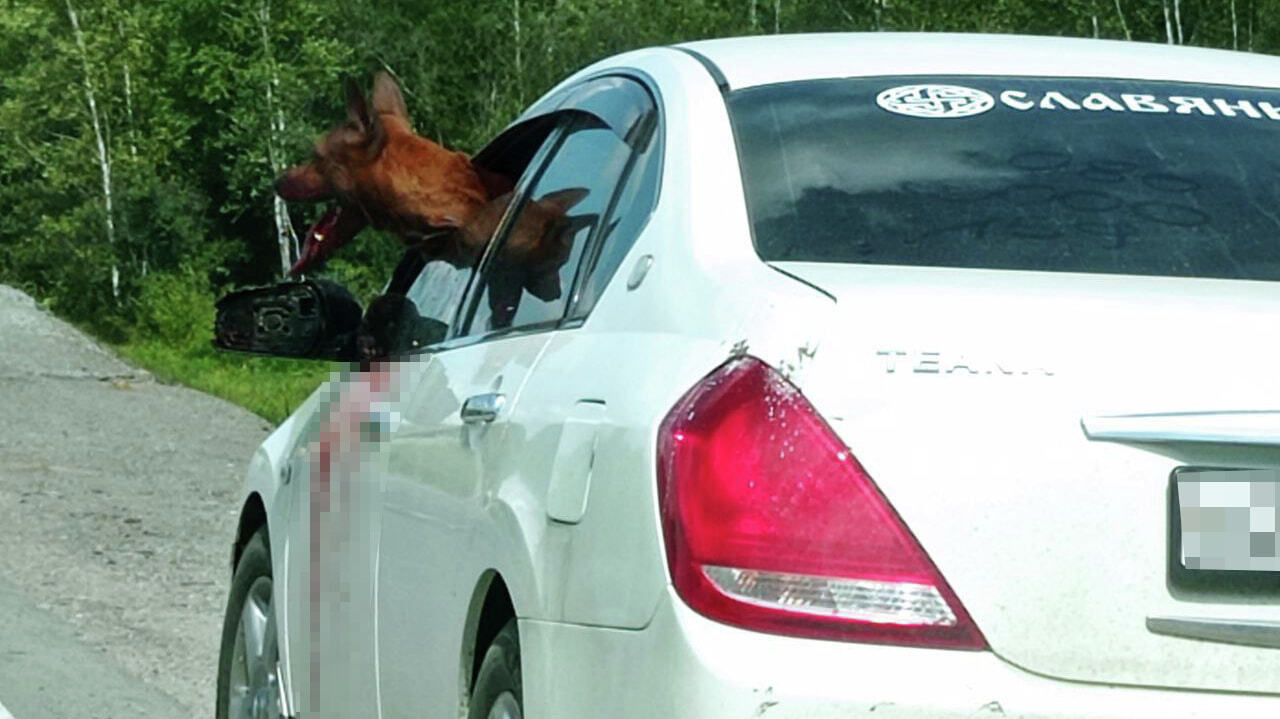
x: 915, y: 375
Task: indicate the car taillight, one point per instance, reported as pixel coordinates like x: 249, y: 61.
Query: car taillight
x: 771, y: 523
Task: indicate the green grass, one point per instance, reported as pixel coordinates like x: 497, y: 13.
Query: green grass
x: 169, y: 335
x: 267, y: 386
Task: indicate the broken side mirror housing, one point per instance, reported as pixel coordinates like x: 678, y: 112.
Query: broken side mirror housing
x: 313, y: 319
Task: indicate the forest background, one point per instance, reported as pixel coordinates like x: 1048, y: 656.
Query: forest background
x: 139, y: 138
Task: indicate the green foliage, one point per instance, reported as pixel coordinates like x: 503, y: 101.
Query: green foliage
x: 170, y: 336
x: 201, y: 103
x: 366, y: 268
x: 175, y: 308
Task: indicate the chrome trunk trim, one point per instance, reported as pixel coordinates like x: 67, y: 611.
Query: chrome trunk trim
x: 1254, y: 427
x: 1254, y: 633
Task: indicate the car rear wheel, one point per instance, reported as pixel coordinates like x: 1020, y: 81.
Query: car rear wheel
x: 497, y: 693
x: 249, y: 662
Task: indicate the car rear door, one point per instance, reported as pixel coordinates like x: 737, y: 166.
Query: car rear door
x: 448, y: 513
x: 598, y: 554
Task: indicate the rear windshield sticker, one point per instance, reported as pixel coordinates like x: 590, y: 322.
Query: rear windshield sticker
x: 938, y: 101
x: 951, y: 101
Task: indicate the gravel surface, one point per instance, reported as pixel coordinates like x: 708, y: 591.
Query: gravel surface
x: 118, y: 501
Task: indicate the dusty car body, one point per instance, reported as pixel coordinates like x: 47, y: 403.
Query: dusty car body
x: 996, y: 303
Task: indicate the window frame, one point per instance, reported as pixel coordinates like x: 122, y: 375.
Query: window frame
x: 566, y: 114
x: 575, y: 315
x: 552, y: 123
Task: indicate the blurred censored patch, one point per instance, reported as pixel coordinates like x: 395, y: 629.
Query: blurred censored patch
x: 1229, y: 519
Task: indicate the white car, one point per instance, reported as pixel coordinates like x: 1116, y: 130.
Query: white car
x: 922, y: 375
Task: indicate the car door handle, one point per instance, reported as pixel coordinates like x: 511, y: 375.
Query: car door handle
x: 483, y: 407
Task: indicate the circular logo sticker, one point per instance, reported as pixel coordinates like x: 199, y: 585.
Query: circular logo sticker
x: 939, y: 101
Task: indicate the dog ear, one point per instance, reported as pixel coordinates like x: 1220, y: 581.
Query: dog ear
x: 387, y: 97
x: 571, y: 226
x: 564, y: 200
x: 357, y: 109
x: 375, y: 136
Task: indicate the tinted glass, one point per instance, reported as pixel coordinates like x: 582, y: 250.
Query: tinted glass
x: 620, y: 103
x: 435, y: 289
x: 438, y: 289
x: 630, y: 212
x: 532, y: 270
x: 1081, y: 175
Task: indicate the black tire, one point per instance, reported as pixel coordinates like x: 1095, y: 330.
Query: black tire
x: 255, y: 563
x: 499, y: 675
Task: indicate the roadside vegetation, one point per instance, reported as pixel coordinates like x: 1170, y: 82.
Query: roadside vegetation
x: 170, y: 336
x: 139, y: 138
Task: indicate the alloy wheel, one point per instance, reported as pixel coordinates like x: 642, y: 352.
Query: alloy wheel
x: 254, y: 689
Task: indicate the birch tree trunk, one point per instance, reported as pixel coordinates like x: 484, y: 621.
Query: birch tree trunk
x: 879, y: 12
x: 515, y: 25
x: 122, y: 32
x: 1168, y: 27
x: 1177, y: 18
x: 131, y: 130
x: 128, y: 111
x: 133, y: 156
x: 1235, y: 27
x: 1123, y: 25
x: 777, y: 16
x: 104, y: 158
x: 286, y: 238
x: 1249, y: 28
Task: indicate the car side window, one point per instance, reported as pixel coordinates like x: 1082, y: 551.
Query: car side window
x: 628, y: 216
x: 435, y: 289
x: 438, y: 289
x: 533, y: 264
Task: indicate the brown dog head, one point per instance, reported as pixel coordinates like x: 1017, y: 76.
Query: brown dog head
x: 374, y: 170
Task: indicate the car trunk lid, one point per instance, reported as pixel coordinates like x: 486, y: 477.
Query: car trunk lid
x: 1027, y: 426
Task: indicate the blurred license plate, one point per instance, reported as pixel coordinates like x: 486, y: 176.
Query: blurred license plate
x: 1229, y: 519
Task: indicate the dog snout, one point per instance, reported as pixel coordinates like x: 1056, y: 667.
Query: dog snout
x: 304, y: 183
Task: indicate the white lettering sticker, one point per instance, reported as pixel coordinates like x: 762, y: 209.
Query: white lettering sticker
x: 1016, y: 99
x: 1143, y: 103
x: 1099, y: 101
x: 950, y: 101
x: 1229, y: 108
x: 1188, y: 105
x: 1054, y: 98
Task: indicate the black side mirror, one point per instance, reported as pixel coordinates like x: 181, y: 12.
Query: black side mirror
x: 314, y: 319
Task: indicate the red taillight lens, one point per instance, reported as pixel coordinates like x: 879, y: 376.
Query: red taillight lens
x: 771, y: 524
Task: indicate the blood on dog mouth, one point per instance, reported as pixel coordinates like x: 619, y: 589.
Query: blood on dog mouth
x: 335, y: 227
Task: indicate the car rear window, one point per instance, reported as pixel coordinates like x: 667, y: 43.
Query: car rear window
x: 1061, y: 174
